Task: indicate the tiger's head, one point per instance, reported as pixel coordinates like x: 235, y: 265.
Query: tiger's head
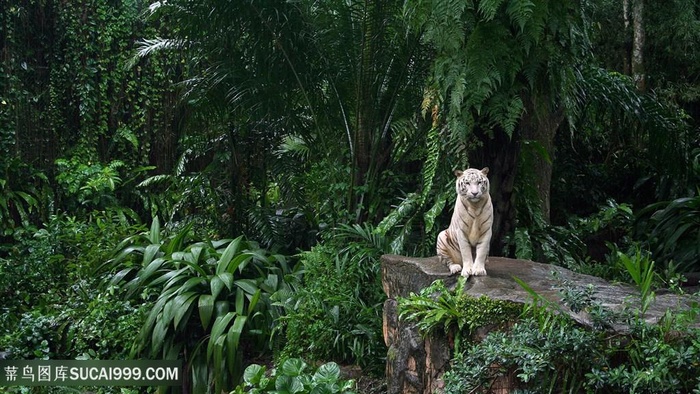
x: 472, y: 184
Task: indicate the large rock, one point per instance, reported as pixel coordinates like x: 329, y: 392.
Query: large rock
x: 415, y: 364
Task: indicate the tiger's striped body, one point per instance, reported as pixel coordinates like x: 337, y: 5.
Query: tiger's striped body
x: 470, y: 226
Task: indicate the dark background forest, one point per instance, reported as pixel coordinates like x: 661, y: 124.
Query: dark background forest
x: 214, y: 181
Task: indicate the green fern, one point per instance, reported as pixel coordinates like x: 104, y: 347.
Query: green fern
x: 520, y: 12
x: 489, y: 8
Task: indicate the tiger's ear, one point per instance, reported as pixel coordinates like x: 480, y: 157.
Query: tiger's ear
x: 485, y: 170
x: 458, y: 173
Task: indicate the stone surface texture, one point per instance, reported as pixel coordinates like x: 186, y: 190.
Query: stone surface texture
x: 416, y: 364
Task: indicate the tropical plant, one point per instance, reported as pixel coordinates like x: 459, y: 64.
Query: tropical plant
x: 88, y: 182
x: 209, y: 298
x: 23, y: 195
x: 581, y: 245
x: 185, y: 196
x: 454, y: 311
x: 545, y: 361
x: 335, y: 313
x: 54, y: 307
x: 294, y: 376
x: 336, y: 80
x: 672, y: 232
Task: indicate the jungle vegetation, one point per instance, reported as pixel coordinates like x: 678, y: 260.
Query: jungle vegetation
x: 218, y: 179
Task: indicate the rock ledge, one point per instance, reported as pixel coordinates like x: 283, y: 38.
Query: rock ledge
x: 415, y: 364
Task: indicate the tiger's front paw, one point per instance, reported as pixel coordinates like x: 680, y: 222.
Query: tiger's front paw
x: 454, y: 268
x: 478, y: 270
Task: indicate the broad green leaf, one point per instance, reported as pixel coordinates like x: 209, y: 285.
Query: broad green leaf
x: 239, y: 262
x: 191, y: 283
x: 247, y: 285
x: 220, y: 324
x: 234, y: 333
x: 184, y: 302
x: 149, y: 254
x: 222, y: 307
x: 170, y: 278
x: 144, y: 275
x: 169, y: 310
x: 254, y: 302
x: 324, y: 388
x: 216, y: 284
x: 194, y: 266
x: 233, y: 337
x: 206, y: 308
x: 227, y: 256
x: 288, y: 384
x: 174, y: 284
x: 218, y: 243
x: 155, y: 311
x: 240, y: 301
x: 177, y: 243
x: 217, y: 362
x: 270, y: 284
x: 259, y: 255
x: 327, y: 373
x: 253, y: 373
x: 154, y: 233
x: 293, y: 367
x: 119, y: 276
x: 196, y: 252
x: 159, y: 333
x: 227, y: 278
x: 125, y: 251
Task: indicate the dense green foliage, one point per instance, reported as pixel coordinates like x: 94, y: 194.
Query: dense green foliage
x: 336, y: 315
x: 454, y: 310
x: 292, y: 377
x: 209, y: 297
x: 301, y: 140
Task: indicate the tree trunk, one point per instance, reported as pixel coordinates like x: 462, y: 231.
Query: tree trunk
x: 366, y: 120
x: 539, y: 125
x: 501, y: 155
x: 627, y: 49
x: 638, y: 45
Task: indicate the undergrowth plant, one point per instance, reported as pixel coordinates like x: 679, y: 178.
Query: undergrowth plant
x: 295, y: 376
x: 454, y: 311
x: 672, y: 231
x: 335, y: 313
x: 211, y: 300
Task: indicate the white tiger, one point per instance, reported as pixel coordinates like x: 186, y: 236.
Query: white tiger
x: 470, y: 226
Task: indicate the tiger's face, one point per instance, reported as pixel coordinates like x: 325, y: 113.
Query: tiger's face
x: 472, y: 184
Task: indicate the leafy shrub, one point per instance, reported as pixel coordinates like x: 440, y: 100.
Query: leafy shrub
x: 660, y: 358
x: 574, y: 245
x: 44, y: 266
x: 98, y: 325
x: 454, y: 310
x: 22, y: 196
x: 336, y: 313
x: 672, y: 230
x: 90, y: 185
x: 209, y: 298
x: 295, y: 377
x: 35, y: 336
x: 53, y: 306
x: 551, y: 360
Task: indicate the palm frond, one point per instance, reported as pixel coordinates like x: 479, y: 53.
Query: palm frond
x: 149, y: 46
